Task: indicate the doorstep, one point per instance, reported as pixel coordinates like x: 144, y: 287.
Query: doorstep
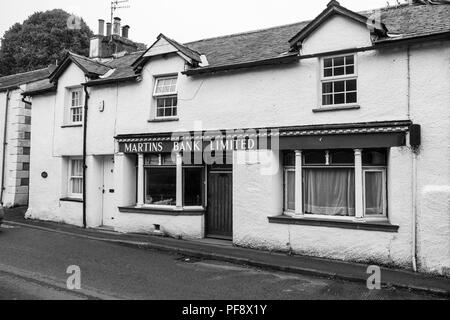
x: 212, y: 249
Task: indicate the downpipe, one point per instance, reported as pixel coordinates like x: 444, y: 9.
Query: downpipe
x: 85, y: 116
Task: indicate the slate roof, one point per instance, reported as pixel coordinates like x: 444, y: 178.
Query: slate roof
x: 402, y: 22
x: 23, y: 78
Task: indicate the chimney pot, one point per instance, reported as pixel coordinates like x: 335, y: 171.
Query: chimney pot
x: 125, y: 31
x: 108, y: 29
x: 101, y: 27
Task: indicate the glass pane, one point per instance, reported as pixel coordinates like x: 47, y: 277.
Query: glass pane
x: 339, y: 61
x: 330, y: 191
x: 289, y: 159
x: 77, y: 185
x: 339, y: 71
x: 374, y: 157
x: 343, y: 157
x: 193, y: 187
x: 169, y: 159
x: 374, y: 193
x: 327, y: 87
x: 77, y: 168
x: 174, y: 111
x: 351, y: 97
x: 351, y: 85
x: 160, y: 186
x: 350, y: 70
x: 174, y: 102
x: 160, y: 112
x: 339, y: 86
x: 327, y: 99
x: 339, y: 98
x: 290, y: 190
x: 349, y: 60
x: 328, y: 63
x: 151, y: 160
x: 328, y: 72
x: 160, y: 103
x: 314, y: 157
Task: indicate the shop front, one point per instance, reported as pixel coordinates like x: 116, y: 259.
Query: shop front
x: 335, y: 174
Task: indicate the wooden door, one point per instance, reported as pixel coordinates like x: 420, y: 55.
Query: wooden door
x: 219, y: 218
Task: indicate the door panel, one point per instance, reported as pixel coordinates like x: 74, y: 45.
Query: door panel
x: 220, y: 204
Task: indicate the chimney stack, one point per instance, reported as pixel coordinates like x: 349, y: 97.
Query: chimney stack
x: 125, y: 31
x: 108, y: 29
x: 101, y: 27
x: 116, y: 27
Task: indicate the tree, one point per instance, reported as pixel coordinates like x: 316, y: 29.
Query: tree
x: 41, y: 40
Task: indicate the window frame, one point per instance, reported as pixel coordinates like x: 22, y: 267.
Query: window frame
x: 383, y: 171
x: 287, y: 169
x: 70, y: 177
x: 165, y: 95
x: 333, y: 79
x: 71, y: 107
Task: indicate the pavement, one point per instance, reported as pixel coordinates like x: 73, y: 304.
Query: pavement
x: 224, y: 252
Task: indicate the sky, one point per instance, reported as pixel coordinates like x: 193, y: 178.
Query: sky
x: 183, y: 20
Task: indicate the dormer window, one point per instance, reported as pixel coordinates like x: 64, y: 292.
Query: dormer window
x: 339, y: 81
x: 166, y: 96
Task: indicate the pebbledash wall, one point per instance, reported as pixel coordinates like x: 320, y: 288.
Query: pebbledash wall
x: 396, y: 83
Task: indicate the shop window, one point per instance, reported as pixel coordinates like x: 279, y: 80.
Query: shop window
x: 339, y: 83
x: 193, y: 186
x: 75, y: 177
x: 160, y: 186
x: 329, y: 182
x: 166, y: 96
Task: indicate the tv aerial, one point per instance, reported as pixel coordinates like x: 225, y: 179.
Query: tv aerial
x: 118, y: 4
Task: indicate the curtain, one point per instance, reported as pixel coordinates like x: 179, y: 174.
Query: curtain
x: 290, y: 191
x: 374, y: 193
x: 330, y: 191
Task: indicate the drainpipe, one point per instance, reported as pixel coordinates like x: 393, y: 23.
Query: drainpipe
x: 85, y: 115
x: 5, y: 144
x: 414, y: 174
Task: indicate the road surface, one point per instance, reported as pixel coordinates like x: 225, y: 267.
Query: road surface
x: 33, y: 265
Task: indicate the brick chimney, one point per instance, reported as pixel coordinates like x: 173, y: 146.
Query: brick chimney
x: 104, y: 47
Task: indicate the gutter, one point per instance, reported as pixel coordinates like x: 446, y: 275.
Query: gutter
x: 109, y: 81
x: 5, y: 143
x: 85, y: 116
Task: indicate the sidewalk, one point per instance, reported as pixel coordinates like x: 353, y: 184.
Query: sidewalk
x: 224, y: 251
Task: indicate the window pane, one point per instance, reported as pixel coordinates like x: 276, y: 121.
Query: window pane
x: 327, y: 87
x: 374, y: 193
x: 160, y: 113
x: 193, y: 187
x: 351, y: 85
x: 350, y: 70
x: 174, y: 111
x: 339, y: 71
x: 339, y: 61
x: 328, y: 72
x: 168, y: 112
x: 168, y: 160
x: 328, y: 63
x: 77, y: 168
x: 339, y: 98
x: 77, y: 185
x: 343, y: 157
x: 349, y: 60
x: 374, y: 157
x: 160, y: 186
x: 290, y: 190
x: 151, y: 160
x: 330, y: 192
x: 327, y: 99
x: 351, y: 97
x: 339, y: 86
x: 314, y: 158
x: 289, y: 159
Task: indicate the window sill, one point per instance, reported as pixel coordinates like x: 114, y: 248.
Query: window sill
x: 329, y: 223
x: 339, y: 108
x: 72, y: 125
x: 164, y: 119
x: 68, y: 199
x: 169, y: 211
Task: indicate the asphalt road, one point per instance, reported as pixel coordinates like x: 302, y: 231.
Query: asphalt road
x: 33, y: 265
